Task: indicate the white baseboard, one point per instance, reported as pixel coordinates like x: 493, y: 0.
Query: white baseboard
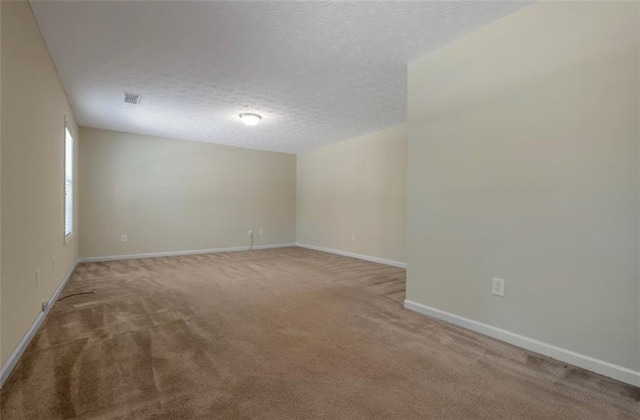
x: 14, y: 357
x: 354, y: 255
x: 176, y: 253
x: 611, y: 370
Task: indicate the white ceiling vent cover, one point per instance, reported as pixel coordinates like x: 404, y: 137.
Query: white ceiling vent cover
x: 132, y: 98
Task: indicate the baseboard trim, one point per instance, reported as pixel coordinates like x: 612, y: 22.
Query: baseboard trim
x: 177, y: 253
x: 354, y: 255
x: 601, y: 367
x: 15, y: 356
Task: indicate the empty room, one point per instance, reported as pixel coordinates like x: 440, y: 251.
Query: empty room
x: 319, y: 210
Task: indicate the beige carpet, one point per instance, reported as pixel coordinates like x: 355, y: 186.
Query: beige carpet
x: 279, y: 334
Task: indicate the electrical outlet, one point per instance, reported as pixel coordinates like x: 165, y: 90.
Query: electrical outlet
x: 250, y: 233
x: 497, y: 286
x: 261, y: 232
x: 37, y: 278
x: 53, y: 263
x: 125, y: 238
x: 353, y: 236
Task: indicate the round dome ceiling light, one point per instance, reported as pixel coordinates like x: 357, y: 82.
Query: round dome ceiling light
x: 250, y: 119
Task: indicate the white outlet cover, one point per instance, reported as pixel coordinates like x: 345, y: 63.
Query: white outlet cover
x: 125, y: 238
x: 497, y: 286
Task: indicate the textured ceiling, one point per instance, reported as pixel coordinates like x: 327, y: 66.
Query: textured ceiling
x: 317, y: 72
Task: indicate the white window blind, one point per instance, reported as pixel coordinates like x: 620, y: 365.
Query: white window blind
x: 68, y: 183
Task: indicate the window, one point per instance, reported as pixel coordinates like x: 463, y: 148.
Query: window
x: 68, y: 182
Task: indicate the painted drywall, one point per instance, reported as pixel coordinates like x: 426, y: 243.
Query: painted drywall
x: 33, y: 107
x: 355, y: 187
x: 523, y: 165
x: 171, y: 195
x: 638, y: 149
x: 1, y: 359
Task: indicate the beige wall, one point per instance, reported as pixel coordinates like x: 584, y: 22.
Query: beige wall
x: 1, y: 358
x: 355, y: 187
x: 171, y: 195
x: 638, y: 150
x: 523, y: 165
x: 34, y: 106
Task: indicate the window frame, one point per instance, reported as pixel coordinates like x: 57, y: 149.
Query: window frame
x: 68, y: 129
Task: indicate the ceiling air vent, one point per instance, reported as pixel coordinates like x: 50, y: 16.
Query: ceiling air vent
x: 132, y: 98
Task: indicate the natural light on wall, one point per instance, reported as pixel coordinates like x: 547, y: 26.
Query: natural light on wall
x: 68, y: 183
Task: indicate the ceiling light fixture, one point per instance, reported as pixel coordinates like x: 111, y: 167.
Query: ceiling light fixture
x: 249, y: 118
